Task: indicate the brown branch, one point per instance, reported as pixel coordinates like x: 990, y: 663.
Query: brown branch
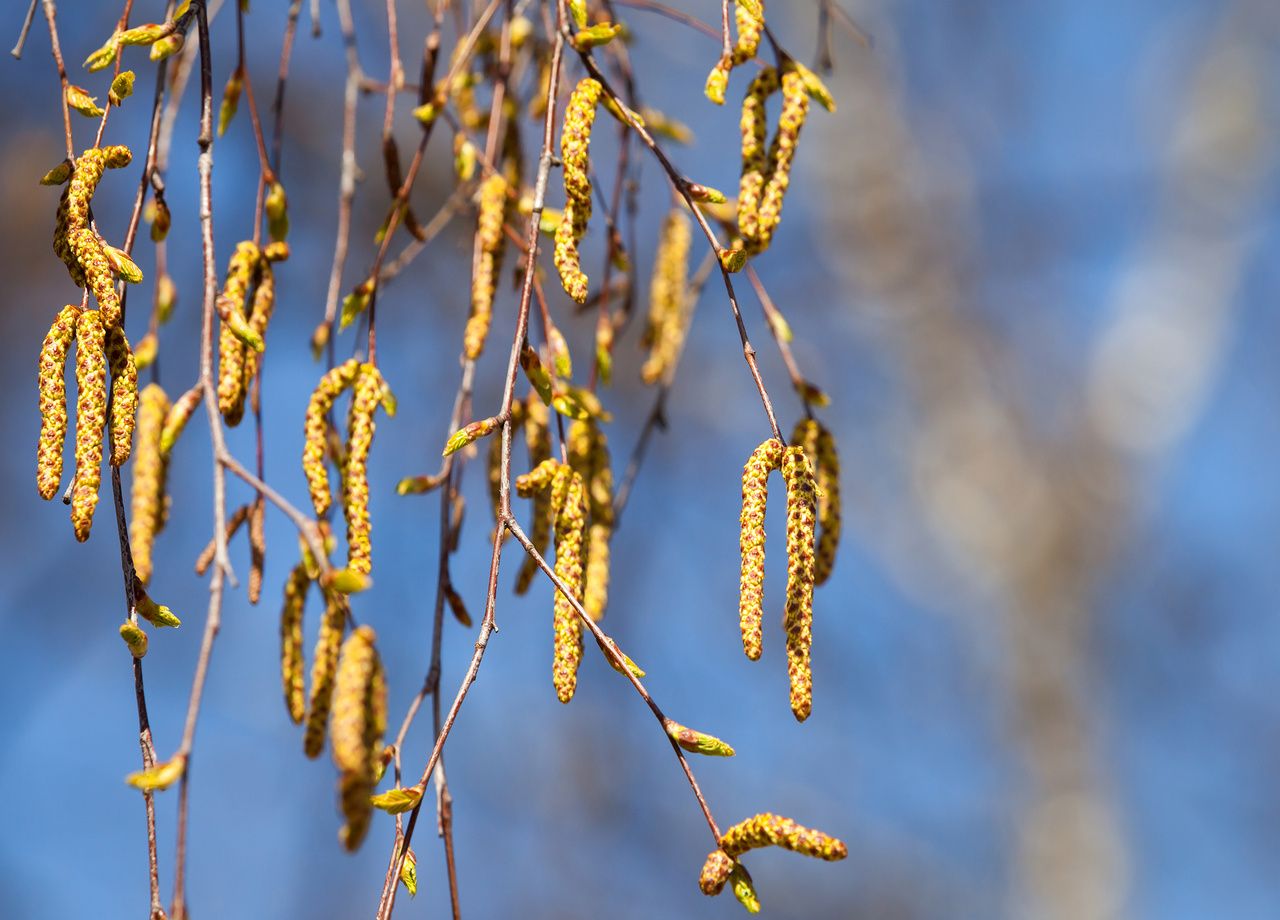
x: 16, y: 51
x: 51, y: 15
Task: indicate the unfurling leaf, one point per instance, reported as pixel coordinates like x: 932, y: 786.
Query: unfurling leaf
x: 159, y: 777
x: 697, y: 742
x: 398, y: 801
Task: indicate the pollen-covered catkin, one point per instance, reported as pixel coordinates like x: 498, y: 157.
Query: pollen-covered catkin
x: 316, y: 425
x: 98, y: 273
x: 802, y: 501
x: 264, y: 301
x: 749, y: 18
x: 715, y: 872
x: 795, y: 108
x: 765, y: 830
x: 589, y: 455
x: 291, y: 656
x: 668, y: 298
x: 360, y: 428
x: 236, y: 337
x: 493, y: 200
x: 53, y: 401
x: 257, y: 548
x: 820, y: 447
x: 324, y: 668
x: 569, y: 505
x: 124, y: 394
x: 575, y: 144
x: 538, y: 438
x: 755, y: 490
x: 755, y: 163
x: 91, y: 417
x: 356, y: 731
x: 149, y: 472
x: 178, y: 416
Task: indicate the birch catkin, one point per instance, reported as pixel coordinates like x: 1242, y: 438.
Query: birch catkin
x: 570, y: 519
x: 493, y: 200
x: 359, y: 719
x: 765, y: 830
x: 329, y: 388
x: 291, y: 655
x: 360, y: 429
x: 668, y: 296
x: 149, y: 473
x: 91, y: 417
x: 820, y: 447
x: 715, y: 872
x: 755, y: 490
x: 798, y: 620
x: 795, y: 108
x: 324, y: 668
x: 589, y: 455
x: 235, y: 336
x: 538, y: 437
x: 124, y: 394
x: 575, y: 143
x: 53, y: 401
x: 755, y: 163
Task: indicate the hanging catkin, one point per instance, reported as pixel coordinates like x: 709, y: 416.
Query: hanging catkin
x: 755, y: 490
x: 668, y: 298
x: 798, y: 620
x: 291, y: 654
x: 820, y: 447
x: 53, y: 401
x: 359, y: 719
x: 124, y: 394
x: 324, y: 668
x: 755, y: 162
x: 91, y: 417
x: 575, y: 143
x: 538, y: 438
x: 329, y: 388
x: 589, y: 455
x: 149, y: 473
x: 493, y: 200
x: 360, y: 428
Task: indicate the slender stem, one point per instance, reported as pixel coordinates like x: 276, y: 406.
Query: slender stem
x: 16, y: 51
x: 51, y: 14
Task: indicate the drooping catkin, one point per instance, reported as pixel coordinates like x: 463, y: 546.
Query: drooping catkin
x: 98, y: 274
x: 589, y: 455
x: 538, y: 438
x: 53, y: 401
x: 820, y: 447
x: 749, y: 19
x: 802, y: 502
x: 124, y: 394
x: 178, y: 416
x: 795, y: 108
x: 257, y: 548
x: 149, y: 472
x: 668, y: 298
x: 569, y: 505
x: 755, y: 163
x: 235, y: 336
x: 493, y: 200
x: 324, y: 668
x: 765, y: 830
x: 575, y: 143
x: 360, y: 428
x: 755, y: 490
x: 359, y: 719
x: 715, y: 872
x: 264, y: 301
x: 329, y: 388
x: 91, y: 417
x: 291, y: 655
x: 73, y: 240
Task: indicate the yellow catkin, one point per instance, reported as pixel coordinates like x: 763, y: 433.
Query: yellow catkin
x: 766, y: 830
x: 575, y: 144
x: 235, y: 337
x: 715, y: 872
x: 61, y: 243
x: 569, y: 505
x: 264, y: 301
x: 795, y: 108
x: 820, y: 447
x: 73, y: 240
x: 91, y: 417
x: 257, y: 548
x: 360, y: 428
x: 749, y: 18
x: 755, y: 490
x: 324, y: 668
x: 668, y: 298
x: 755, y: 163
x: 98, y: 272
x: 589, y: 455
x: 359, y: 719
x: 179, y: 414
x: 538, y: 437
x: 493, y: 200
x: 149, y: 473
x: 53, y: 401
x: 291, y: 655
x: 329, y: 388
x: 802, y: 500
x: 124, y: 394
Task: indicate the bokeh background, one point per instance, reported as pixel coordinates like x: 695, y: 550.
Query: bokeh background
x: 1035, y: 260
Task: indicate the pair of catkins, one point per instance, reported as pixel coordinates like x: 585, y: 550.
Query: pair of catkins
x: 244, y: 321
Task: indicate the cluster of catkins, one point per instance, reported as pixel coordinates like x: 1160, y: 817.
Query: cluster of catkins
x: 245, y: 306
x: 763, y: 830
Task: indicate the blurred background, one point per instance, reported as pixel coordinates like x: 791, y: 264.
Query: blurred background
x: 1035, y: 260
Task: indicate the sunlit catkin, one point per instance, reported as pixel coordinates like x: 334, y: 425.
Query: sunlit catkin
x: 264, y: 301
x: 98, y: 273
x: 569, y: 505
x: 291, y: 655
x: 755, y: 490
x: 149, y: 472
x: 493, y: 199
x: 53, y: 401
x: 235, y: 336
x: 124, y: 394
x: 324, y: 668
x: 668, y: 298
x: 748, y: 16
x: 538, y: 438
x: 795, y: 108
x: 820, y: 447
x: 589, y: 455
x: 359, y: 719
x: 802, y: 501
x: 715, y: 872
x: 316, y: 424
x: 765, y: 830
x: 755, y: 162
x: 575, y: 143
x: 360, y: 428
x: 91, y: 417
x: 179, y: 414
